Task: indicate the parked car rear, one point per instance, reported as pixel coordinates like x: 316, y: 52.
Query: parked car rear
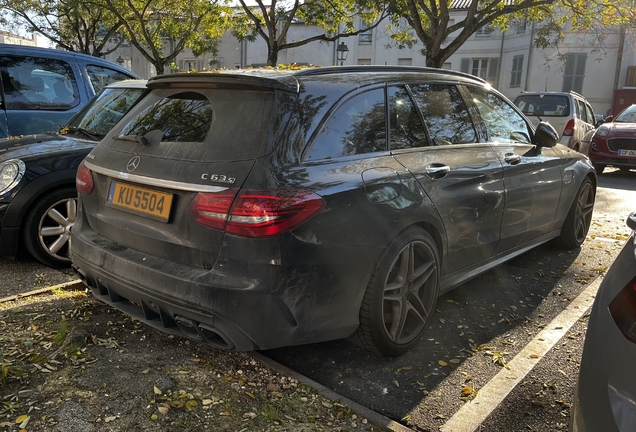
x: 43, y: 88
x: 570, y: 113
x: 259, y: 209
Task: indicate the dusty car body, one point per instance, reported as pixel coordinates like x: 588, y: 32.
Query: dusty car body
x: 284, y: 208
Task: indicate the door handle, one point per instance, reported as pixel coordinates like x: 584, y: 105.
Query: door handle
x: 512, y: 159
x: 437, y: 171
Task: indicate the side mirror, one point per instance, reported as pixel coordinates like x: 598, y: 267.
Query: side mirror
x: 609, y: 119
x: 545, y: 135
x: 598, y: 123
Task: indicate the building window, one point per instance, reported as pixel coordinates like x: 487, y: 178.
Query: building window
x: 486, y: 68
x: 517, y: 70
x: 521, y: 26
x: 630, y: 81
x: 574, y: 72
x: 484, y: 31
x: 364, y: 61
x: 447, y: 66
x: 366, y: 37
x: 405, y: 62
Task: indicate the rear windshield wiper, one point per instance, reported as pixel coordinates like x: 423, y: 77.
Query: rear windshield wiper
x: 154, y: 136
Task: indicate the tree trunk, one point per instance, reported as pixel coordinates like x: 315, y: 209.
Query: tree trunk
x: 272, y: 55
x: 434, y: 61
x: 159, y: 67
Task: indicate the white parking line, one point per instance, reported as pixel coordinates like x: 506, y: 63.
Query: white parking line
x: 472, y: 414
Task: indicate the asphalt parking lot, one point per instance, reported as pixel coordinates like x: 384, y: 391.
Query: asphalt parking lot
x: 477, y: 334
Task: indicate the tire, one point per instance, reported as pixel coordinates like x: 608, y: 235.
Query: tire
x: 47, y: 228
x: 396, y: 288
x: 577, y: 222
x: 599, y: 168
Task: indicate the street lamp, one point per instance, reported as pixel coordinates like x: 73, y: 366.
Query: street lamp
x: 120, y: 60
x: 342, y: 50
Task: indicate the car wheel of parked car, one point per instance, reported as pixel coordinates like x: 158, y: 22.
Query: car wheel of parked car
x: 599, y: 168
x: 401, y: 295
x: 577, y: 222
x: 47, y: 230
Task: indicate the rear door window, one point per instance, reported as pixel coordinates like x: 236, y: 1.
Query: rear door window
x: 358, y: 126
x: 581, y: 111
x: 406, y: 129
x: 203, y: 125
x: 31, y: 83
x: 445, y: 114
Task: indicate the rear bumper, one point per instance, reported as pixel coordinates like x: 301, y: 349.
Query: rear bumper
x: 260, y: 307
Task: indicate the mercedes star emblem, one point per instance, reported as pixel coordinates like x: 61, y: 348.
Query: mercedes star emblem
x: 133, y: 163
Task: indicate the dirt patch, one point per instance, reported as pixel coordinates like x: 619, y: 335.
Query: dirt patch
x: 70, y: 363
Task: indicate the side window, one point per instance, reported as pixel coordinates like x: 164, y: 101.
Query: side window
x: 31, y: 83
x: 502, y: 122
x: 590, y: 114
x: 358, y: 126
x: 101, y: 76
x: 445, y: 114
x: 406, y: 130
x: 581, y: 109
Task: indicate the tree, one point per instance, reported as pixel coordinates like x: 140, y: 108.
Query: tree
x: 271, y: 21
x: 430, y: 21
x: 74, y: 25
x: 161, y: 29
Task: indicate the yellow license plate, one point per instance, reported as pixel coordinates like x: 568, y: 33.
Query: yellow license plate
x: 147, y: 202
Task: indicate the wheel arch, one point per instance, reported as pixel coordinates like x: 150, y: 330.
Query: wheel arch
x: 28, y: 195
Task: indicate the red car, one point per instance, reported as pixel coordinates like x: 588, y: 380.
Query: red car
x: 614, y: 143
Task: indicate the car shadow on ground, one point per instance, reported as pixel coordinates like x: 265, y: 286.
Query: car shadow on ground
x: 474, y: 331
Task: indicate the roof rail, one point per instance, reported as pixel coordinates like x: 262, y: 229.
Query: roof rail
x: 332, y: 70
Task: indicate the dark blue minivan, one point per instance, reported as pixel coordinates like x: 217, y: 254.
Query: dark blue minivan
x: 42, y: 88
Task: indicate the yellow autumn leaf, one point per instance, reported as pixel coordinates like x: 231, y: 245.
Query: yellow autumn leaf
x: 455, y: 361
x: 442, y: 363
x: 21, y: 419
x: 156, y: 390
x: 163, y: 410
x: 154, y: 417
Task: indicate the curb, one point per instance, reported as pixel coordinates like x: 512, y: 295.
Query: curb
x: 65, y: 285
x: 361, y: 410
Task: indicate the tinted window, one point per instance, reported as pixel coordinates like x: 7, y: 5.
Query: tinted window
x: 184, y: 117
x: 502, y: 122
x: 544, y: 105
x: 405, y: 124
x: 35, y: 83
x: 101, y: 76
x: 104, y: 111
x: 357, y: 126
x: 204, y: 125
x: 445, y: 114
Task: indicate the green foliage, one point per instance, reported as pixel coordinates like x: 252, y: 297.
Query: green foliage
x: 75, y: 25
x: 429, y: 21
x: 161, y: 29
x: 271, y: 21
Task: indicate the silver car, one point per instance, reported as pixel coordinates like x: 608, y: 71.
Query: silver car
x: 605, y: 398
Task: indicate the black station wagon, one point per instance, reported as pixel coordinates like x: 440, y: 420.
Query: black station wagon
x: 258, y: 209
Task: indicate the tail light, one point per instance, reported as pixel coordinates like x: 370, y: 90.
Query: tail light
x: 84, y: 180
x: 623, y: 310
x: 569, y: 128
x: 252, y: 213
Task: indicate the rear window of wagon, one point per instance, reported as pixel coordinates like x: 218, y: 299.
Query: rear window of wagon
x: 199, y: 125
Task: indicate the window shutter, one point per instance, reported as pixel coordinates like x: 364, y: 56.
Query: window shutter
x: 493, y: 70
x: 465, y: 65
x: 630, y: 81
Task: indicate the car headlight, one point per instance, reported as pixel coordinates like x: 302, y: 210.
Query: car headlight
x: 11, y: 173
x: 603, y: 130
